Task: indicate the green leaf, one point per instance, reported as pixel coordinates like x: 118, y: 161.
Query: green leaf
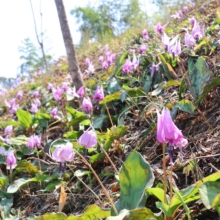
x: 112, y: 97
x: 73, y: 134
x: 14, y: 187
x: 24, y: 118
x: 77, y: 116
x: 171, y: 83
x: 113, y: 85
x: 5, y: 205
x: 19, y: 140
x: 52, y: 185
x: 132, y: 191
x: 133, y: 92
x: 215, y: 83
x: 92, y: 212
x: 27, y: 166
x: 11, y: 122
x: 157, y: 192
x: 52, y: 216
x: 148, y: 83
x: 199, y: 74
x: 3, y: 182
x: 98, y: 122
x: 186, y: 106
x: 210, y: 194
x: 81, y: 173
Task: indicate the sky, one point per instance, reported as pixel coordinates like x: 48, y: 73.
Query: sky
x: 16, y: 24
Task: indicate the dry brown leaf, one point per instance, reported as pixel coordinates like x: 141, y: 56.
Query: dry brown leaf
x: 62, y: 199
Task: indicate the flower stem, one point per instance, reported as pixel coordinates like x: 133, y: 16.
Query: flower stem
x: 96, y: 176
x: 171, y: 182
x: 164, y: 175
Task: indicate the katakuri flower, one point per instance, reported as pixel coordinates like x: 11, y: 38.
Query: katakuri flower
x: 88, y: 139
x: 198, y: 32
x: 160, y: 28
x: 35, y: 94
x: 34, y: 108
x: 145, y: 34
x: 81, y: 91
x: 34, y: 141
x: 185, y: 9
x: 142, y: 49
x: 167, y: 132
x: 189, y: 40
x: 54, y: 112
x: 62, y: 154
x: 99, y: 94
x: 8, y: 130
x: 154, y: 68
x: 11, y: 160
x: 192, y: 21
x: 87, y: 104
x: 19, y: 94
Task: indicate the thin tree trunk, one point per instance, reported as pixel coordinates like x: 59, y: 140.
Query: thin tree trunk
x: 70, y: 50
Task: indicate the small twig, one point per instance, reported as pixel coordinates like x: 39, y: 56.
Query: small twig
x: 96, y: 176
x: 43, y: 161
x: 215, y: 168
x: 106, y: 154
x: 90, y: 190
x: 109, y: 115
x: 215, y: 155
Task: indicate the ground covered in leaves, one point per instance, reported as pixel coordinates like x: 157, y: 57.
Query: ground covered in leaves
x: 194, y: 103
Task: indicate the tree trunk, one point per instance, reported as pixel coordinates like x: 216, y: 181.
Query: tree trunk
x: 70, y: 50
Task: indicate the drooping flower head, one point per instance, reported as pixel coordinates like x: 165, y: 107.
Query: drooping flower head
x: 198, y: 32
x: 35, y: 94
x: 165, y: 41
x: 34, y: 108
x: 192, y: 21
x: 19, y: 94
x: 142, y: 49
x: 192, y: 4
x: 99, y: 94
x: 185, y: 9
x: 8, y: 130
x: 81, y: 91
x: 127, y: 67
x: 62, y: 154
x: 37, y: 102
x: 34, y: 141
x: 167, y: 132
x: 11, y: 160
x: 154, y: 68
x: 189, y: 40
x: 57, y: 93
x: 87, y: 62
x: 87, y: 104
x: 88, y: 139
x: 145, y: 34
x: 54, y: 112
x: 160, y: 28
x: 65, y: 86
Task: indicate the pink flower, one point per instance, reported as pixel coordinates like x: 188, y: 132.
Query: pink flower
x: 8, y: 130
x: 192, y: 21
x: 192, y: 4
x: 101, y: 58
x: 65, y: 86
x: 91, y: 69
x: 87, y: 104
x: 14, y: 109
x: 142, y: 49
x: 50, y: 86
x: 154, y: 68
x: 11, y: 160
x: 81, y: 91
x: 35, y: 94
x: 37, y: 102
x: 105, y: 48
x: 165, y: 40
x: 63, y: 153
x: 167, y: 132
x: 57, y: 94
x: 198, y: 32
x: 145, y: 34
x: 34, y: 141
x: 105, y: 65
x: 99, y: 94
x: 185, y: 9
x: 19, y: 94
x: 189, y: 40
x: 127, y: 67
x: 54, y: 112
x: 34, y: 108
x: 88, y: 139
x: 160, y: 28
x: 87, y: 62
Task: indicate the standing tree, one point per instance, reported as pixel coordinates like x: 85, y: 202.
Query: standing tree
x: 70, y: 50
